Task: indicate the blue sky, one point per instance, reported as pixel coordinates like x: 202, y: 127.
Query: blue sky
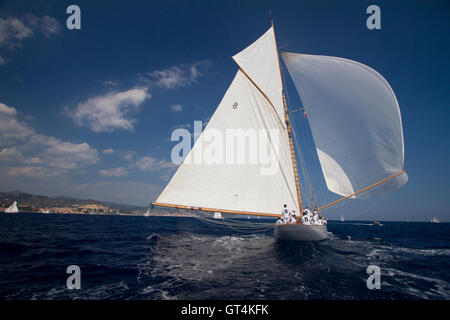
x: 164, y: 64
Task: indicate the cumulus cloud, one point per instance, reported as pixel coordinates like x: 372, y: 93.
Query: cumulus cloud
x: 114, y: 172
x: 152, y: 164
x: 106, y: 113
x: 13, y: 30
x: 175, y: 76
x: 11, y: 129
x: 21, y: 144
x: 68, y: 155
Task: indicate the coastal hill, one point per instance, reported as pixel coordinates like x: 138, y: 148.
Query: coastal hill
x: 37, y: 203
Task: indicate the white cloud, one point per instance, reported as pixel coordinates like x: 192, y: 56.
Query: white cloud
x: 108, y: 151
x: 114, y: 172
x: 11, y: 129
x: 108, y: 112
x: 152, y: 164
x: 110, y: 83
x: 175, y: 76
x: 176, y: 108
x: 21, y: 144
x: 13, y: 31
x: 129, y: 155
x: 32, y: 172
x: 68, y: 155
x: 47, y: 25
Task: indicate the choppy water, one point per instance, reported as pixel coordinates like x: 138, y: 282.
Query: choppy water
x: 128, y: 257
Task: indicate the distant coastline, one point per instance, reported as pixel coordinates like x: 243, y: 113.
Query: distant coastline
x: 65, y: 205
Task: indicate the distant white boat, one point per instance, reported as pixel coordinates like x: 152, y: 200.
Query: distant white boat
x: 377, y: 223
x: 147, y: 213
x: 342, y: 218
x: 435, y: 220
x: 45, y: 211
x: 217, y: 215
x: 12, y: 208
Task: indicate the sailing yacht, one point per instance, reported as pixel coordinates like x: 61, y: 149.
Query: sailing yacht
x: 147, y: 213
x: 12, y: 208
x: 342, y: 218
x: 356, y: 127
x: 435, y: 220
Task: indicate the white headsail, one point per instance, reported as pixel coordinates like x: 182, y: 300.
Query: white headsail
x: 355, y: 121
x: 248, y: 105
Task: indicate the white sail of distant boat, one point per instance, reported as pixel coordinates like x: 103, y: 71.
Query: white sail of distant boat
x: 342, y: 218
x: 435, y: 220
x: 355, y: 122
x: 147, y: 213
x: 217, y: 215
x: 12, y: 208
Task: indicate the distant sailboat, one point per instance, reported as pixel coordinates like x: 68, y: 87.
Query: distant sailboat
x: 12, y: 208
x: 45, y: 211
x: 355, y: 122
x: 147, y: 213
x: 342, y: 218
x: 435, y: 220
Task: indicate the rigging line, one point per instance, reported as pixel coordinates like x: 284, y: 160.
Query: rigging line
x: 208, y: 220
x: 305, y: 171
x: 376, y: 201
x: 286, y: 94
x: 306, y: 174
x: 363, y: 190
x: 295, y: 110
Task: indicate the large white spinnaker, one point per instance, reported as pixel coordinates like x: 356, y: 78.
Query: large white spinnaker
x: 251, y: 105
x: 355, y: 122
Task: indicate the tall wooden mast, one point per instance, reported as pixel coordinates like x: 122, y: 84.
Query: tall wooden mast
x: 288, y: 126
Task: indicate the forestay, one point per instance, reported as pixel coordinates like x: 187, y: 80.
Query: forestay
x: 355, y: 122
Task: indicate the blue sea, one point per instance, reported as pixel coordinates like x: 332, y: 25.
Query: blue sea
x: 133, y: 257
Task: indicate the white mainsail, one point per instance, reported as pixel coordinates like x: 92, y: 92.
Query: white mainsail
x: 12, y: 208
x: 355, y: 122
x: 242, y: 186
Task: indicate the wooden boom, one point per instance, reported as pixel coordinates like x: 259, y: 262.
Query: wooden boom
x: 362, y: 190
x: 216, y: 210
